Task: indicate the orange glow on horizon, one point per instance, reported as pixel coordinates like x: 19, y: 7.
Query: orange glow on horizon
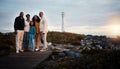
x: 113, y: 25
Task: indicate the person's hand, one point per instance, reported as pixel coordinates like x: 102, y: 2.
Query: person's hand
x: 42, y: 32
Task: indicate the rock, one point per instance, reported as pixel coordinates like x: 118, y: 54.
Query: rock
x: 77, y: 54
x: 49, y: 43
x: 61, y: 54
x: 69, y: 53
x: 66, y: 49
x: 99, y: 47
x: 50, y: 47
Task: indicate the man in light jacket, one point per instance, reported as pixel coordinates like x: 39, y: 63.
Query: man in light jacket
x: 43, y: 30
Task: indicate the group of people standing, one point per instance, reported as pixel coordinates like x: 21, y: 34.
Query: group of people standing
x: 31, y: 33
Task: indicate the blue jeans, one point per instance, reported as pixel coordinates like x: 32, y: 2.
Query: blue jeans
x: 26, y: 40
x: 31, y: 42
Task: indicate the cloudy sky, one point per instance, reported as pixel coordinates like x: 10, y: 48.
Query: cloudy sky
x: 97, y: 17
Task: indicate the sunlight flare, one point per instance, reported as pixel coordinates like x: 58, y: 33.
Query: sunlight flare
x: 114, y: 26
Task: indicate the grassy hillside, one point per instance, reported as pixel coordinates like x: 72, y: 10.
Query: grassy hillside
x: 64, y: 37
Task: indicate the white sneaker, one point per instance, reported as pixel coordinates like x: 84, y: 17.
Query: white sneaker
x: 17, y: 51
x: 36, y: 49
x: 21, y: 50
x: 44, y: 49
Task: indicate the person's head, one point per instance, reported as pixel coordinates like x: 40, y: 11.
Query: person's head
x: 41, y: 14
x: 28, y: 16
x: 35, y: 18
x: 21, y: 14
x: 32, y: 23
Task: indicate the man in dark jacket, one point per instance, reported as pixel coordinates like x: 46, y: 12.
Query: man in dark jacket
x: 19, y: 31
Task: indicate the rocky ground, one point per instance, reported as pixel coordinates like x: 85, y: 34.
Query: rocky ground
x: 77, y: 57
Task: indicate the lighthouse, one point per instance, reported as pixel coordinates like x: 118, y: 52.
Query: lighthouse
x: 62, y: 28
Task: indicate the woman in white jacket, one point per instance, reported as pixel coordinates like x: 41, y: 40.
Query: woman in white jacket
x: 43, y: 30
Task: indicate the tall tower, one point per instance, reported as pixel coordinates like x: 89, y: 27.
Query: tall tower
x: 62, y: 22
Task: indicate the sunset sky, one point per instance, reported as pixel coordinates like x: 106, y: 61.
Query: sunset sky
x: 97, y: 17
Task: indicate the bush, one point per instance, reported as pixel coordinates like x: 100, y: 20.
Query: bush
x: 6, y: 41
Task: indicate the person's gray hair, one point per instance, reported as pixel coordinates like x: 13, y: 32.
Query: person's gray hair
x: 42, y: 12
x: 21, y: 13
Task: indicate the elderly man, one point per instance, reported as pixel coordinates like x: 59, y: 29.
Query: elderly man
x: 43, y: 30
x: 19, y: 31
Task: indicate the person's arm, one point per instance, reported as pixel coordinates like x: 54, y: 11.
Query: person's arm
x: 15, y: 25
x: 24, y: 22
x: 45, y: 26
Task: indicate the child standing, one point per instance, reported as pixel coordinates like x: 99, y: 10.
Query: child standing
x: 32, y: 33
